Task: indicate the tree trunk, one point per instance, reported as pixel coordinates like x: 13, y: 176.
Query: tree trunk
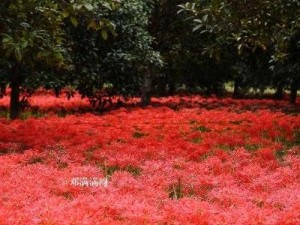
x: 279, y: 91
x: 236, y: 93
x: 171, y: 76
x: 2, y: 89
x: 146, y: 88
x: 57, y: 92
x: 171, y: 88
x: 15, y: 108
x: 294, y: 89
x: 161, y: 87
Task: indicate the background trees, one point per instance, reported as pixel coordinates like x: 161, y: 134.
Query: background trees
x: 144, y: 47
x: 30, y: 35
x: 121, y: 60
x: 33, y: 40
x: 257, y: 32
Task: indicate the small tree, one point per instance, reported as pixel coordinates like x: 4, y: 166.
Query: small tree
x: 32, y: 36
x: 124, y: 61
x: 249, y: 27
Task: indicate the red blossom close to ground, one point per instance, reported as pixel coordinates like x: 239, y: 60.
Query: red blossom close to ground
x: 181, y: 165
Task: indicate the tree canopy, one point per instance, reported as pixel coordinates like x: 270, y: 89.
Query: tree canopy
x: 145, y: 47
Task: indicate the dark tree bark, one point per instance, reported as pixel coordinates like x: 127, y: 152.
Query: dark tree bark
x: 294, y: 89
x: 161, y: 86
x: 57, y: 91
x: 171, y: 80
x: 218, y: 89
x: 172, y: 88
x: 279, y: 91
x: 236, y: 92
x: 2, y: 89
x: 15, y: 108
x: 146, y: 88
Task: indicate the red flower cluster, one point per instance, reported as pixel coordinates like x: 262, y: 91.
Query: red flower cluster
x: 190, y: 165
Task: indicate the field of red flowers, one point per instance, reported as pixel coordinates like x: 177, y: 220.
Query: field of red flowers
x: 185, y: 160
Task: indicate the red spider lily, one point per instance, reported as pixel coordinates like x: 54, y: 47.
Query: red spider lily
x: 225, y: 165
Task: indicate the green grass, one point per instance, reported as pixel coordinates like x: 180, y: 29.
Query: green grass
x: 109, y: 170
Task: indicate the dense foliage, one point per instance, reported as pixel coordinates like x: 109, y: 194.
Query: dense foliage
x: 33, y: 40
x: 105, y: 48
x: 261, y: 36
x: 117, y: 64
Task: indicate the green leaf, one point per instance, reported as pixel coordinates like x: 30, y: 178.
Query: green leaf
x: 65, y: 14
x: 197, y: 27
x: 106, y: 5
x: 198, y: 21
x: 74, y: 21
x: 6, y: 40
x: 18, y: 54
x: 240, y: 49
x: 88, y: 6
x: 9, y: 52
x: 104, y: 34
x: 204, y: 18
